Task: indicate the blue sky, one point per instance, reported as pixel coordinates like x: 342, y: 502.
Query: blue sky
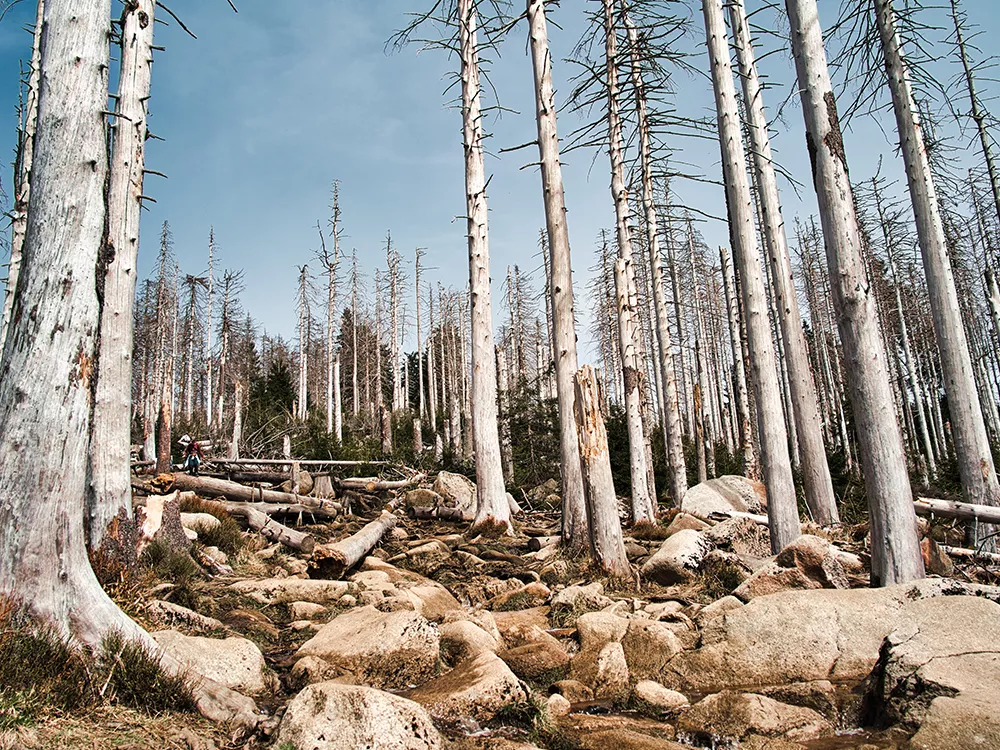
x: 267, y: 107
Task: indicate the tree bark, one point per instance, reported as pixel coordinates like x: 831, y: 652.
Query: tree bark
x: 895, y: 547
x: 109, y: 491
x: 491, y: 495
x: 560, y: 279
x: 802, y: 390
x: 782, y: 508
x: 972, y: 447
x: 48, y: 361
x: 335, y: 559
x: 670, y: 407
x: 602, y: 504
x: 739, y: 372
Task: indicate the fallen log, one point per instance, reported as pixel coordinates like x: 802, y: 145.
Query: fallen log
x: 338, y: 557
x: 290, y: 461
x: 951, y: 509
x: 268, y: 528
x: 438, y: 514
x: 326, y: 511
x: 374, y: 484
x: 537, y: 542
x: 723, y: 515
x: 212, y: 487
x: 961, y: 553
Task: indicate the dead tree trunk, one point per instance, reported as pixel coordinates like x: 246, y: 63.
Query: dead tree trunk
x: 559, y: 279
x: 491, y: 506
x: 739, y: 372
x: 972, y: 447
x: 602, y: 504
x: 336, y: 558
x: 782, y: 508
x: 109, y: 492
x: 48, y: 361
x: 802, y: 390
x: 895, y: 548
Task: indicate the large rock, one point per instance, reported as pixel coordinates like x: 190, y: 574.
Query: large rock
x: 477, y: 688
x: 234, y: 662
x: 198, y: 522
x: 800, y: 636
x: 732, y: 716
x: 331, y: 716
x: 684, y: 521
x: 741, y: 536
x: 773, y: 579
x: 678, y: 559
x: 383, y: 649
x: 288, y: 590
x: 940, y: 670
x: 655, y: 699
x: 611, y: 677
x: 724, y: 494
x: 542, y: 661
x: 457, y: 490
x: 648, y: 646
x: 817, y: 559
x: 580, y: 598
x: 422, y: 498
x: 462, y: 639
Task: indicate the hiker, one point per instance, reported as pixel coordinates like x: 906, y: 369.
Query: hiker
x: 193, y: 457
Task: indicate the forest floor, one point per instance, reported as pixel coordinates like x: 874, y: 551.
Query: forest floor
x: 584, y: 662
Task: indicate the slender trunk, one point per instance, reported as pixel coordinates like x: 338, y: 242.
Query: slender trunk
x: 559, y: 280
x: 895, y: 547
x: 628, y: 336
x: 491, y: 505
x: 739, y: 372
x: 25, y: 160
x: 109, y: 491
x: 782, y: 508
x: 670, y: 411
x: 209, y: 405
x: 972, y: 447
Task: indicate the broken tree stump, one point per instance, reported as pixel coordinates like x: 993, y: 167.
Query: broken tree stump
x: 338, y: 557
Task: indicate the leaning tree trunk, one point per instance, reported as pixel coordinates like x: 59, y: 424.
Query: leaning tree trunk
x: 671, y: 410
x: 602, y: 504
x: 25, y: 159
x: 109, y: 491
x: 782, y: 507
x: 628, y: 335
x: 895, y: 546
x: 802, y: 390
x: 48, y: 364
x: 560, y: 281
x: 491, y: 505
x: 972, y: 445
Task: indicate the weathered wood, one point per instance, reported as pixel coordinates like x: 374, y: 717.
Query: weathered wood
x: 289, y: 462
x: 595, y: 461
x: 211, y: 487
x: 537, y: 542
x: 326, y: 510
x: 373, y: 484
x: 337, y: 558
x: 926, y: 506
x: 960, y: 553
x: 895, y: 548
x: 270, y: 529
x: 560, y: 281
x: 725, y: 515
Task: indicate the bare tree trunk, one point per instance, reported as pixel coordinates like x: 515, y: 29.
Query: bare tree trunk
x: 681, y: 338
x: 238, y: 397
x: 972, y: 446
x: 742, y: 398
x: 209, y: 405
x: 48, y: 360
x: 109, y: 491
x: 25, y: 160
x: 503, y: 393
x: 802, y: 390
x: 602, y: 504
x: 355, y: 399
x: 559, y: 280
x: 628, y: 337
x: 782, y: 509
x: 895, y: 548
x: 702, y: 390
x: 491, y: 506
x: 670, y: 411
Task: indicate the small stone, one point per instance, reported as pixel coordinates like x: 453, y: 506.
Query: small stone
x: 557, y: 705
x: 656, y: 699
x: 612, y: 675
x: 572, y: 690
x: 306, y: 610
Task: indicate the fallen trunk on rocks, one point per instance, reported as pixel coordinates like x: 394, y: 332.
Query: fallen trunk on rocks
x: 337, y: 558
x: 374, y: 484
x: 960, y: 553
x: 268, y: 528
x: 211, y: 487
x: 951, y: 509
